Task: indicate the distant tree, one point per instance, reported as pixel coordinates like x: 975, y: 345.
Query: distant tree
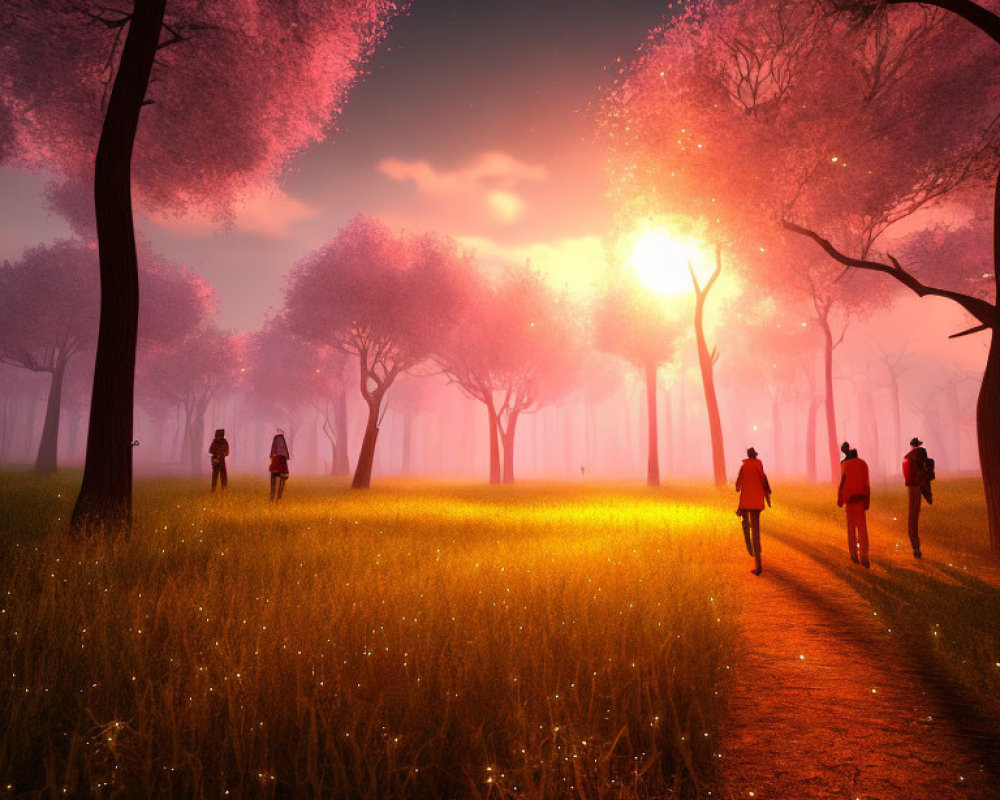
x: 76, y: 77
x: 191, y: 373
x: 513, y: 350
x: 286, y: 376
x: 52, y: 317
x: 387, y: 300
x: 632, y: 322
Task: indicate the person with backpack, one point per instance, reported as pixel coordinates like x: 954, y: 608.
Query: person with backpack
x: 278, y: 465
x: 754, y: 491
x: 854, y: 496
x: 218, y: 450
x: 918, y: 472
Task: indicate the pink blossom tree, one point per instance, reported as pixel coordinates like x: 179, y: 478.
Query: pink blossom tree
x: 386, y: 300
x: 514, y: 351
x: 631, y: 322
x: 191, y: 373
x: 230, y: 90
x: 286, y: 377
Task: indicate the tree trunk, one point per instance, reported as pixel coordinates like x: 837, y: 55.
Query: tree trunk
x: 47, y: 461
x: 988, y: 434
x: 653, y: 439
x: 341, y: 461
x: 508, y: 449
x: 831, y: 416
x: 897, y: 422
x: 363, y: 471
x: 494, y: 445
x: 706, y: 360
x: 106, y: 493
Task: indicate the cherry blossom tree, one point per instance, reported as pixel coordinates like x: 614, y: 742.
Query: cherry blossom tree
x: 202, y: 367
x: 632, y: 323
x: 230, y: 90
x: 514, y: 351
x: 286, y: 377
x: 52, y: 319
x: 387, y: 300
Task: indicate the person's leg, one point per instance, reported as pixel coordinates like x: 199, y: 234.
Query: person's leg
x: 281, y: 486
x: 223, y: 476
x: 913, y: 519
x: 755, y: 531
x: 274, y: 482
x: 745, y: 523
x: 862, y: 523
x: 852, y: 541
x: 215, y: 475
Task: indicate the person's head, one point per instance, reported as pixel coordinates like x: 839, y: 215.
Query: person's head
x: 751, y: 453
x: 915, y: 442
x: 845, y: 448
x: 220, y: 432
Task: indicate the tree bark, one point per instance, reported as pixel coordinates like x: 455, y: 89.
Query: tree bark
x: 831, y: 415
x: 48, y: 448
x: 494, y: 445
x: 363, y: 471
x: 106, y: 493
x: 508, y: 449
x: 706, y: 360
x: 653, y: 439
x: 988, y: 435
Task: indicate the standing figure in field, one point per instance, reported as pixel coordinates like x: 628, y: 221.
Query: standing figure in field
x: 278, y: 466
x: 754, y: 491
x: 219, y: 450
x: 918, y: 472
x: 854, y: 496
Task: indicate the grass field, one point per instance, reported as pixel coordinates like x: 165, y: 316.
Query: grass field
x: 420, y: 640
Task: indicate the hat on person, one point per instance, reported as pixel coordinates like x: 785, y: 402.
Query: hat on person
x: 220, y: 431
x: 751, y: 453
x: 915, y: 442
x: 845, y: 448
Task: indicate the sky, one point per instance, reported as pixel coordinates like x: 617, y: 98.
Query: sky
x: 476, y: 122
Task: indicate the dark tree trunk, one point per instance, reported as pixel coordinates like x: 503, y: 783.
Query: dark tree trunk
x: 831, y: 415
x: 508, y: 449
x: 653, y: 439
x: 106, y: 493
x: 494, y: 445
x: 48, y: 448
x: 366, y: 458
x: 988, y: 434
x: 707, y: 360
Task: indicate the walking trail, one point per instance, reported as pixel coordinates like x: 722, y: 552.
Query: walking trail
x: 829, y: 703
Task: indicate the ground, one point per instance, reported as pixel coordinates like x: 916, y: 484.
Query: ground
x: 434, y: 640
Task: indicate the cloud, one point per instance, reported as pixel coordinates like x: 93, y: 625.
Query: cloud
x: 576, y: 264
x: 270, y: 214
x: 491, y: 178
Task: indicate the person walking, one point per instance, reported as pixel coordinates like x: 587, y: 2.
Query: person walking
x: 854, y: 496
x: 218, y: 450
x: 278, y: 466
x: 918, y: 472
x: 754, y: 491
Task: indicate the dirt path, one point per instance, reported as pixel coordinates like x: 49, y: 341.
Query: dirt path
x: 829, y: 703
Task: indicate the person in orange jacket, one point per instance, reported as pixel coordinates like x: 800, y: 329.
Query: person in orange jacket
x: 754, y: 491
x: 854, y: 495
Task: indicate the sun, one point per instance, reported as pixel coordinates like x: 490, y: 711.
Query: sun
x: 660, y: 262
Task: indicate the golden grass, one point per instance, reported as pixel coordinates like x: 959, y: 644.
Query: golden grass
x: 419, y: 641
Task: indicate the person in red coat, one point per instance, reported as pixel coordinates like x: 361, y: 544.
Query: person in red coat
x: 278, y: 466
x: 754, y: 491
x: 854, y: 495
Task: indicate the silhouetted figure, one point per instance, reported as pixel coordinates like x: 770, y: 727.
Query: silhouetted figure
x: 219, y: 450
x: 854, y: 495
x: 754, y: 491
x: 279, y: 465
x: 918, y: 472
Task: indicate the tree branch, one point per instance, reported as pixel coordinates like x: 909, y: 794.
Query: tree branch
x: 983, y: 311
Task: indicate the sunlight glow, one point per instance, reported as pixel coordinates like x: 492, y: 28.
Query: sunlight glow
x: 660, y: 262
